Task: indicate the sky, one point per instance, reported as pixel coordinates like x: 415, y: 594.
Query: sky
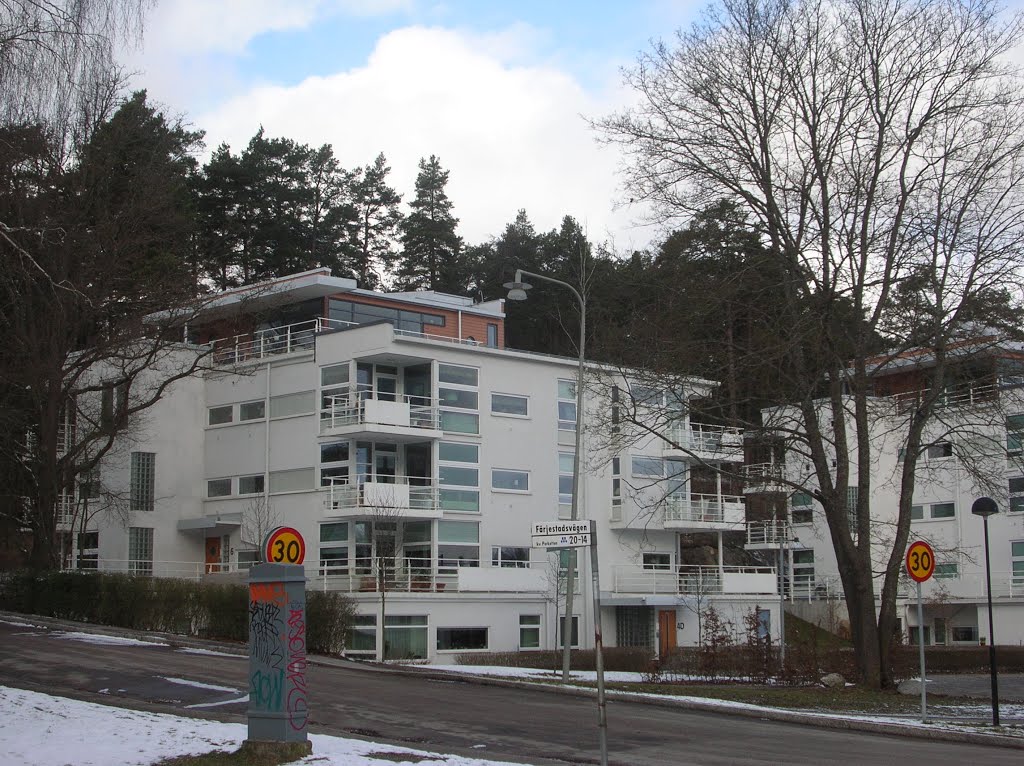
x: 500, y: 91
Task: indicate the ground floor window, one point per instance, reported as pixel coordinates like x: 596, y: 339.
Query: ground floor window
x: 140, y: 550
x: 88, y: 550
x: 1017, y: 562
x: 634, y: 626
x: 405, y: 637
x: 529, y: 631
x: 965, y: 633
x: 913, y: 631
x: 452, y: 639
x: 362, y: 640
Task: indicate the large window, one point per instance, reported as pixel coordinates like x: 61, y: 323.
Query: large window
x: 1014, y: 434
x: 802, y: 508
x: 458, y: 477
x: 143, y: 481
x: 566, y: 405
x: 1016, y: 487
x: 1017, y: 563
x: 362, y: 313
x: 362, y: 641
x: 458, y: 545
x: 529, y: 631
x: 933, y: 511
x: 334, y: 548
x: 288, y: 405
x: 458, y: 399
x: 405, y: 637
x: 140, y: 550
x: 510, y: 557
x: 505, y: 480
x: 455, y: 639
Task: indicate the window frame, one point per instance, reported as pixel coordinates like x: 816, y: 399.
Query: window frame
x: 228, y: 408
x: 261, y: 403
x: 524, y: 415
x: 524, y: 490
x: 227, y: 480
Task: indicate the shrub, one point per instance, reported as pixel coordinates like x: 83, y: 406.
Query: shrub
x: 329, y: 618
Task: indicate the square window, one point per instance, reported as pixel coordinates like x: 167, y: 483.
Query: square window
x: 218, y: 488
x: 251, y: 485
x: 220, y: 415
x: 252, y: 410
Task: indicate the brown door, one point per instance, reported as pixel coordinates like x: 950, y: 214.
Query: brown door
x: 212, y: 554
x: 666, y: 632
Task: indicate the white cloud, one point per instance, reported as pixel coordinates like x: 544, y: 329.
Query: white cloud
x: 512, y: 135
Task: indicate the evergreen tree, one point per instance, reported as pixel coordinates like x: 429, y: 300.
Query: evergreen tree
x: 431, y: 254
x: 377, y: 218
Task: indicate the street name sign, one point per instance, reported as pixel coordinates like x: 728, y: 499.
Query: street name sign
x: 561, y: 534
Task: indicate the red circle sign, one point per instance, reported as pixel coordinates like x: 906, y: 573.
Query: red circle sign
x: 284, y: 545
x: 920, y: 561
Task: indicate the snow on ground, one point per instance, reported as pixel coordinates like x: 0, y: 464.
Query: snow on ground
x: 208, y: 652
x: 19, y: 624
x: 40, y: 730
x: 200, y: 684
x: 98, y: 638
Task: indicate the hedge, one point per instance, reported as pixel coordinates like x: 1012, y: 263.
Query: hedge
x: 216, y: 611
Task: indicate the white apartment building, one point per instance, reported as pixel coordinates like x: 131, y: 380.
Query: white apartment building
x: 413, y: 452
x: 972, y: 449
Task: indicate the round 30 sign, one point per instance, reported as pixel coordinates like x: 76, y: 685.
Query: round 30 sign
x: 284, y: 545
x: 920, y: 561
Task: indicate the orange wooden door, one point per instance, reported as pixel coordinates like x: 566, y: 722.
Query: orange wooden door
x: 212, y: 554
x: 666, y: 632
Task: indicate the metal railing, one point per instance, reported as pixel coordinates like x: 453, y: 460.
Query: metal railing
x: 769, y: 532
x: 370, y: 493
x: 764, y: 472
x: 350, y: 408
x: 680, y: 580
x: 708, y: 439
x: 962, y: 395
x: 272, y: 341
x: 703, y: 508
x: 405, y: 575
x: 399, y: 333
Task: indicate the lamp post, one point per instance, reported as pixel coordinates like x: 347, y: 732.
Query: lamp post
x: 985, y: 507
x: 517, y: 292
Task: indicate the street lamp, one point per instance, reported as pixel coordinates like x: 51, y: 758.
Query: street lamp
x: 517, y: 292
x: 985, y: 507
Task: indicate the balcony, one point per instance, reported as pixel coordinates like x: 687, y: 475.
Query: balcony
x: 769, y: 534
x: 765, y: 478
x: 400, y: 497
x: 704, y: 513
x: 706, y: 442
x: 694, y: 580
x: 357, y: 415
x: 424, y: 576
x: 273, y: 341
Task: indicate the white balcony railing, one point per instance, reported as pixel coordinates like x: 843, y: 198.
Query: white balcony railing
x: 704, y: 509
x: 418, y: 575
x: 381, y: 495
x: 358, y: 407
x: 706, y: 439
x: 272, y: 341
x: 769, y: 532
x: 694, y: 580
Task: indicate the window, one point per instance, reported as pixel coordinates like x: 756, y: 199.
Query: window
x: 566, y: 405
x: 143, y: 481
x: 252, y: 410
x: 218, y: 488
x: 458, y: 397
x: 460, y: 376
x: 459, y: 483
x: 510, y: 557
x: 405, y: 637
x: 459, y: 422
x: 458, y: 544
x: 402, y: 319
x: 939, y: 450
x: 566, y: 466
x: 334, y: 548
x: 1017, y: 563
x: 221, y: 415
x: 634, y: 626
x: 1014, y: 434
x: 334, y: 463
x: 510, y: 481
x: 947, y: 571
x: 362, y: 641
x: 509, y: 404
x: 248, y: 559
x: 529, y: 631
x: 454, y: 400
x: 291, y: 481
x: 287, y: 405
x: 492, y: 335
x: 461, y: 639
x: 932, y: 511
x: 803, y: 571
x: 140, y: 550
x: 648, y: 466
x: 658, y: 561
x: 334, y: 389
x: 616, y: 491
x: 251, y: 485
x: 802, y: 508
x: 88, y: 550
x: 964, y: 633
x: 1016, y: 487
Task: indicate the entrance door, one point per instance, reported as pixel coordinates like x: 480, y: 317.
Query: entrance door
x: 666, y: 632
x: 213, y: 549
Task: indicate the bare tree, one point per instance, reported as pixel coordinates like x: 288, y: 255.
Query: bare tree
x: 877, y: 147
x: 258, y: 519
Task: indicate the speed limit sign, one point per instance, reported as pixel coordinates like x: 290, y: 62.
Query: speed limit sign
x: 284, y: 545
x: 920, y: 561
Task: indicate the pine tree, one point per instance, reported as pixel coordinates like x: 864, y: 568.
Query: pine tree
x: 432, y: 252
x: 377, y: 218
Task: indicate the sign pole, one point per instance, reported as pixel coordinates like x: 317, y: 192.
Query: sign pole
x: 602, y: 715
x: 920, y: 648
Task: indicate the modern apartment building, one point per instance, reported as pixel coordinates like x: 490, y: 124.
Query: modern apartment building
x: 413, y: 452
x: 971, y: 448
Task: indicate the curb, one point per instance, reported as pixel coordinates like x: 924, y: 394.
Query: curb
x: 820, y: 720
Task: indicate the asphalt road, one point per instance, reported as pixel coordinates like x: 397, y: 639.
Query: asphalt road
x: 450, y: 716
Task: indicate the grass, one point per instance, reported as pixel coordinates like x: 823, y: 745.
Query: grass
x: 249, y: 754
